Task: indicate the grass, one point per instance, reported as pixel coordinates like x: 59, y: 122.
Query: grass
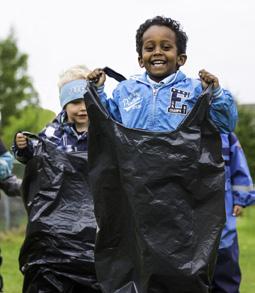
x: 247, y: 249
x: 11, y: 242
x: 10, y: 246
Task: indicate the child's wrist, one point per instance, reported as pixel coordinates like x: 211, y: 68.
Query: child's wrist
x: 100, y: 89
x: 217, y: 92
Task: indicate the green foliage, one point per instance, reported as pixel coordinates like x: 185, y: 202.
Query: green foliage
x: 16, y: 89
x: 32, y: 118
x: 245, y: 131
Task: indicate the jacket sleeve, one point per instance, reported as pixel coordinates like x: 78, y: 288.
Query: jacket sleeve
x: 223, y: 110
x: 110, y: 103
x: 241, y: 180
x: 23, y: 155
x: 6, y: 165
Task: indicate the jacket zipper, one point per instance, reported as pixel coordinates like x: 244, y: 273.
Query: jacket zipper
x: 154, y: 93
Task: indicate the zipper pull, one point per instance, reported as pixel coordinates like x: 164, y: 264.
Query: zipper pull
x: 154, y: 91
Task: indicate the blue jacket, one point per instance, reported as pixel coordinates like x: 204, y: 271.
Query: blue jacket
x: 140, y: 103
x: 238, y: 184
x: 6, y: 162
x: 60, y: 133
x: 6, y: 165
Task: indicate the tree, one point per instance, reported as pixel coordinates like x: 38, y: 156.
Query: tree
x: 245, y: 131
x: 16, y: 88
x: 32, y: 118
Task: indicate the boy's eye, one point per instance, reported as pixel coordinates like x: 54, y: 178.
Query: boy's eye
x: 166, y: 47
x: 149, y: 48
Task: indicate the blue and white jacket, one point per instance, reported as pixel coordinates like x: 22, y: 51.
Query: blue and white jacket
x: 6, y: 165
x: 238, y: 185
x: 6, y: 162
x: 60, y: 133
x: 142, y: 103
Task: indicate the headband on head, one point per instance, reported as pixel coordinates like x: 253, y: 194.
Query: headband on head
x: 72, y: 90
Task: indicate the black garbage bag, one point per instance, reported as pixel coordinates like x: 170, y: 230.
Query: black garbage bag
x: 159, y: 202
x: 11, y: 185
x: 58, y: 252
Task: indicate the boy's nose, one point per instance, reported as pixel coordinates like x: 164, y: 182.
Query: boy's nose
x: 157, y: 50
x: 82, y: 105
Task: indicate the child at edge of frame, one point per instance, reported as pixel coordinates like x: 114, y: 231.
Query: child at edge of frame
x: 239, y: 194
x: 67, y: 133
x: 9, y: 183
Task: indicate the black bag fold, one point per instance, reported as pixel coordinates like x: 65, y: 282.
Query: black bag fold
x: 159, y: 202
x: 59, y: 245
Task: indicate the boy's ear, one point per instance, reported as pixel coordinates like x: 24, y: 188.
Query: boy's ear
x: 140, y: 61
x: 181, y: 59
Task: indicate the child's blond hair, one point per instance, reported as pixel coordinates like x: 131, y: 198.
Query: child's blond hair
x: 73, y: 73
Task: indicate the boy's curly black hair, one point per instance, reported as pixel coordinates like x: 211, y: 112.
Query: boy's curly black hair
x: 181, y: 37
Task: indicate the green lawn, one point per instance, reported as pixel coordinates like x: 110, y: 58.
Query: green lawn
x: 246, y: 233
x: 11, y: 242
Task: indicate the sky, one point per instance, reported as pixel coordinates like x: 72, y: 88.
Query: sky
x: 57, y: 34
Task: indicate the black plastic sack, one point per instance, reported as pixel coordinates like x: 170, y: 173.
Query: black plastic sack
x: 159, y: 202
x: 11, y: 185
x: 59, y: 245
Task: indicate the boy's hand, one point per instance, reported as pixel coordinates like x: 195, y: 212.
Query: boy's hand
x: 207, y: 78
x: 21, y: 140
x: 237, y: 210
x: 98, y: 76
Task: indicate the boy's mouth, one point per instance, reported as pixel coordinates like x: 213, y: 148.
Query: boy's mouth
x: 82, y: 115
x: 158, y: 63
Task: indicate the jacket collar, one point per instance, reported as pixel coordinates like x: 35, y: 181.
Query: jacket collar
x: 68, y: 127
x: 171, y: 79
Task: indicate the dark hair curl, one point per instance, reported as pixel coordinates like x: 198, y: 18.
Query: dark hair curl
x: 181, y: 37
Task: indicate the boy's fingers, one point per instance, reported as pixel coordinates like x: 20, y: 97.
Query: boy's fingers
x: 95, y: 74
x: 208, y: 78
x: 21, y: 145
x: 21, y: 141
x: 237, y: 211
x: 19, y: 135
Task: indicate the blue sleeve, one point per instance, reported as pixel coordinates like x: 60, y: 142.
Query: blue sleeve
x: 111, y: 103
x: 241, y: 180
x: 6, y: 165
x: 223, y: 110
x: 251, y: 200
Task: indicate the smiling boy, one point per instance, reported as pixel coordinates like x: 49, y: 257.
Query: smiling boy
x: 162, y: 97
x: 162, y: 189
x: 68, y: 131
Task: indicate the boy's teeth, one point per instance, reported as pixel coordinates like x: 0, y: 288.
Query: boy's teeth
x: 157, y: 62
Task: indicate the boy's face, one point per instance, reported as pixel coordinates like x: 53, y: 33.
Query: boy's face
x: 77, y: 114
x: 159, y: 53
